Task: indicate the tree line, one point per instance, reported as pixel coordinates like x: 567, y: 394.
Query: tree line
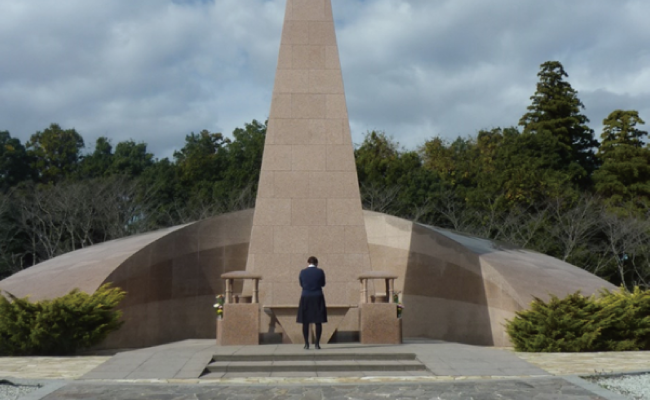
x: 55, y: 199
x: 546, y: 184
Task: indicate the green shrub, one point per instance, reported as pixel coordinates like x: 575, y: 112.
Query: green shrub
x: 59, y: 326
x: 625, y: 320
x: 561, y: 325
x: 615, y: 321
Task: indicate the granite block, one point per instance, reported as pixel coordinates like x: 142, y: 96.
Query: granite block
x: 240, y: 325
x: 379, y: 324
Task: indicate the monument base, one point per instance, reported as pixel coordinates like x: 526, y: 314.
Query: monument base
x: 286, y: 316
x: 240, y: 325
x: 379, y: 324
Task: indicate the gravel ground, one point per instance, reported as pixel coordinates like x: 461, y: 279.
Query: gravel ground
x: 9, y: 391
x: 635, y: 387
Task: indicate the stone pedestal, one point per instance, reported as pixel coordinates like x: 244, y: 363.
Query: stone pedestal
x: 240, y: 325
x: 379, y: 324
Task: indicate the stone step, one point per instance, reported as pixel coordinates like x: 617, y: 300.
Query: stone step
x: 316, y: 356
x: 314, y: 366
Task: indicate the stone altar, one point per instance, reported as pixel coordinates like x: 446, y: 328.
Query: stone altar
x: 379, y: 323
x: 241, y: 322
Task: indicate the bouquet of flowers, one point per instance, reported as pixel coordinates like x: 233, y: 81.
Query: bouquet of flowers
x: 218, y: 306
x: 400, y: 306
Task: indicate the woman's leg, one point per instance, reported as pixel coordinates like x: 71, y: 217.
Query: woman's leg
x: 305, y: 334
x: 319, y: 331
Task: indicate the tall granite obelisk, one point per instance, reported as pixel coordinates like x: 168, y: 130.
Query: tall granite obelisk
x: 308, y: 201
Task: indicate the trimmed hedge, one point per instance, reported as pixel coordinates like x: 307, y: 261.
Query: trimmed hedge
x: 61, y: 326
x: 614, y: 321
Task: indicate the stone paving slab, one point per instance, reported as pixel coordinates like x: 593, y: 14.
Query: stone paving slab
x: 589, y: 363
x: 48, y: 367
x: 441, y: 358
x: 515, y: 389
x: 187, y: 360
x: 181, y: 360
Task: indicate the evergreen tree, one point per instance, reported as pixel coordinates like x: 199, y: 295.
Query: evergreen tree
x: 393, y: 180
x: 376, y: 158
x: 243, y: 161
x: 625, y: 172
x: 200, y: 161
x: 98, y: 163
x: 529, y: 167
x: 55, y: 153
x: 131, y: 159
x: 456, y: 163
x: 14, y: 162
x: 556, y: 111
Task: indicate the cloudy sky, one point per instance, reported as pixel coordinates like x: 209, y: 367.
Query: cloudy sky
x: 155, y: 70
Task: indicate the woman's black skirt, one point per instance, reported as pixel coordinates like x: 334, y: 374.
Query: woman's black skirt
x: 312, y: 310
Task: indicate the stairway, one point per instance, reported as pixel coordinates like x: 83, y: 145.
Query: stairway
x: 312, y: 361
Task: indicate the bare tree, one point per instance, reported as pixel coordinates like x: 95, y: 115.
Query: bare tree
x: 65, y: 217
x: 418, y: 211
x: 453, y: 211
x: 183, y: 213
x: 4, y: 203
x: 122, y: 207
x: 379, y: 198
x: 488, y: 222
x: 627, y: 241
x: 241, y: 200
x: 42, y: 214
x: 575, y: 223
x: 10, y: 262
x: 525, y: 226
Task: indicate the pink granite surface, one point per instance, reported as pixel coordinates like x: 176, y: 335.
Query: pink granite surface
x: 240, y: 325
x: 379, y: 324
x: 308, y: 202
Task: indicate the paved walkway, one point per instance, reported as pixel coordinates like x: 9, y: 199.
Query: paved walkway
x: 589, y: 363
x: 48, y: 367
x: 456, y: 371
x: 186, y: 360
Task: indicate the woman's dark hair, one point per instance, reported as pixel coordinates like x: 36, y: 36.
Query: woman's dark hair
x: 312, y: 260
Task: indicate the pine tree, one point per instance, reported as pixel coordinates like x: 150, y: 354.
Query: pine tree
x: 624, y: 176
x: 556, y: 111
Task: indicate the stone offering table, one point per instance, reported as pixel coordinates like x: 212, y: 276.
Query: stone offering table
x: 241, y: 321
x: 286, y: 316
x: 378, y: 321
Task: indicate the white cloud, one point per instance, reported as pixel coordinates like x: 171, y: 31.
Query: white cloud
x: 153, y: 70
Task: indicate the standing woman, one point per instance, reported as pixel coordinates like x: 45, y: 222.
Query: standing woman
x: 312, y: 309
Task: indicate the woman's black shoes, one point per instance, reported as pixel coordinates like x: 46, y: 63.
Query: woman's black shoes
x: 317, y: 346
x: 307, y: 347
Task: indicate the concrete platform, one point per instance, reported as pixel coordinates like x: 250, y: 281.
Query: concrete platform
x: 453, y: 371
x: 188, y: 360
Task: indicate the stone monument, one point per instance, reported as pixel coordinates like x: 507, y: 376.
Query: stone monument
x: 308, y: 201
x: 454, y: 287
